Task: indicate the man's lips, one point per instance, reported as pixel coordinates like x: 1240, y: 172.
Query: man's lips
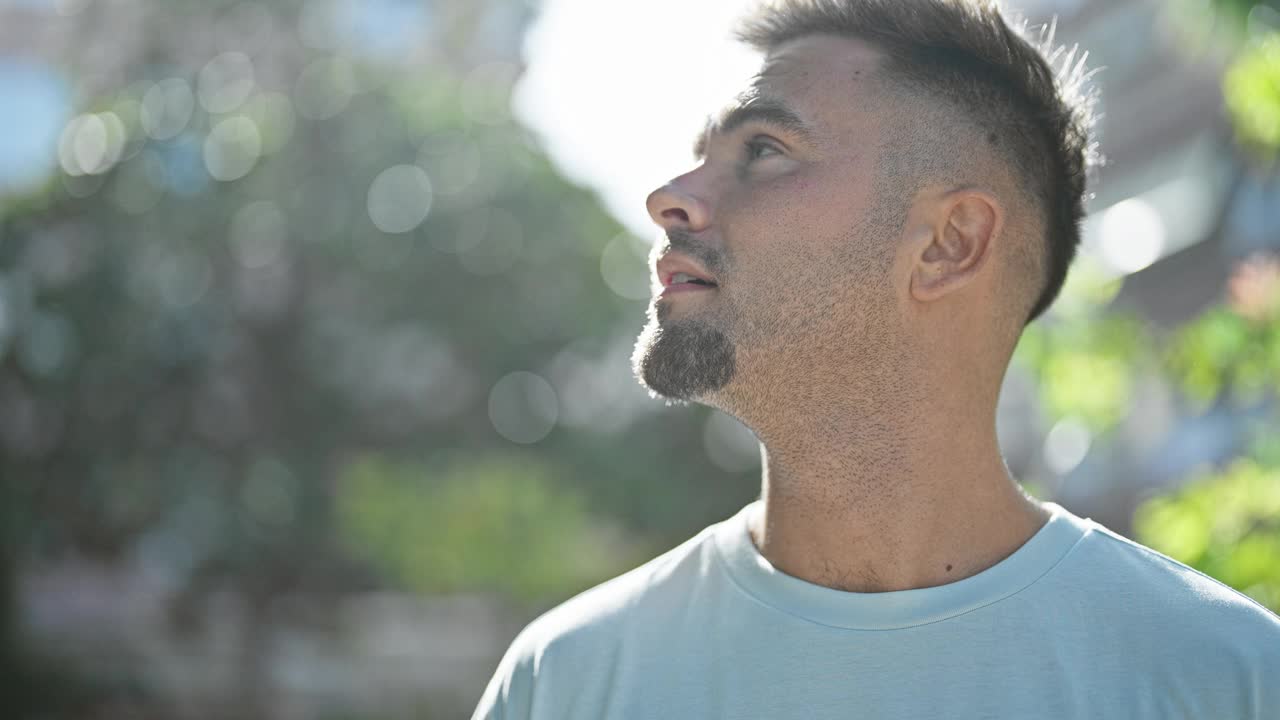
x: 685, y: 287
x: 674, y: 266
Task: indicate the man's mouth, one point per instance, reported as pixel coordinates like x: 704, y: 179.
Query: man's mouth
x: 684, y: 282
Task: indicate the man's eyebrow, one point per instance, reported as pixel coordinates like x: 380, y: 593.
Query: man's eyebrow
x: 764, y: 110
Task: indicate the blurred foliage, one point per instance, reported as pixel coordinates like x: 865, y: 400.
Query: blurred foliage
x: 1087, y: 357
x: 1234, y: 347
x: 1239, y: 12
x: 279, y: 267
x: 1085, y: 370
x: 1227, y: 525
x: 1250, y: 30
x: 500, y: 523
x: 1252, y: 90
x: 1223, y: 350
x: 1083, y: 359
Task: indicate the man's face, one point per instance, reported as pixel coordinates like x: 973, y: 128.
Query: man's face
x: 783, y: 215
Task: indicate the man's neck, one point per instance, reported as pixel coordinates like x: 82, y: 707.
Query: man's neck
x: 875, y: 508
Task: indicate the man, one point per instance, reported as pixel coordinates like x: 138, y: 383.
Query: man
x: 889, y: 202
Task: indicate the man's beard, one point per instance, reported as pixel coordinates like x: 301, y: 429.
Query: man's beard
x: 682, y: 360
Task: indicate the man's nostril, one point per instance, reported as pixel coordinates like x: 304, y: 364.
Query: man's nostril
x: 677, y: 212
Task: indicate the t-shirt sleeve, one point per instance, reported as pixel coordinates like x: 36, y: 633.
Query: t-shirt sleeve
x: 508, y: 696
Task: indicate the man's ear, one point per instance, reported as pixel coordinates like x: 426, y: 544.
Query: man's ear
x: 960, y: 237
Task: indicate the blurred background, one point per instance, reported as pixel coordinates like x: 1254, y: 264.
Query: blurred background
x: 316, y: 315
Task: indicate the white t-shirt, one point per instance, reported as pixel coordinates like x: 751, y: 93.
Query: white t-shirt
x: 1079, y: 622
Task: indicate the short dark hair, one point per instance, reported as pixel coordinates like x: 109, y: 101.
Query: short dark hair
x: 963, y: 52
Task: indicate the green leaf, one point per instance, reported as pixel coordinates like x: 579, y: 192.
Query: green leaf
x: 1252, y: 91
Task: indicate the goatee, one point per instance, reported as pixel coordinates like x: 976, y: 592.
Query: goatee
x: 683, y: 360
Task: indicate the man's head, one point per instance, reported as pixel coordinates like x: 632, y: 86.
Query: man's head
x: 901, y: 182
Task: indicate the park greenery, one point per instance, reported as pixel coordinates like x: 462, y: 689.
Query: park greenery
x: 1224, y: 521
x: 247, y: 348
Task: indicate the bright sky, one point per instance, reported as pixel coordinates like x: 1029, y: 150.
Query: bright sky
x: 29, y: 138
x: 619, y: 90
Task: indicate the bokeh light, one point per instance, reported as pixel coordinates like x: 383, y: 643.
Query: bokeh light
x: 225, y: 82
x: 272, y: 113
x: 166, y: 108
x: 91, y: 144
x: 523, y: 407
x: 1133, y: 235
x: 1066, y: 445
x: 399, y: 198
x: 232, y: 148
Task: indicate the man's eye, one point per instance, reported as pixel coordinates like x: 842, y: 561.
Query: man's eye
x: 755, y: 146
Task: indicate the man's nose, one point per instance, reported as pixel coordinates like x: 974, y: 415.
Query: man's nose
x: 674, y: 206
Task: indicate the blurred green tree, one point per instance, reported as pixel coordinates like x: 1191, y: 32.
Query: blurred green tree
x: 1225, y: 521
x: 254, y: 331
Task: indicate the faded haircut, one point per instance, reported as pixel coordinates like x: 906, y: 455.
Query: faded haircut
x: 1026, y: 98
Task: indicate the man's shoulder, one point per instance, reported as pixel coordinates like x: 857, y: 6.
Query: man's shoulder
x: 591, y: 619
x: 1152, y: 583
x: 575, y: 643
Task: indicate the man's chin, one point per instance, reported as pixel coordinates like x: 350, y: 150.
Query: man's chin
x: 682, y: 362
